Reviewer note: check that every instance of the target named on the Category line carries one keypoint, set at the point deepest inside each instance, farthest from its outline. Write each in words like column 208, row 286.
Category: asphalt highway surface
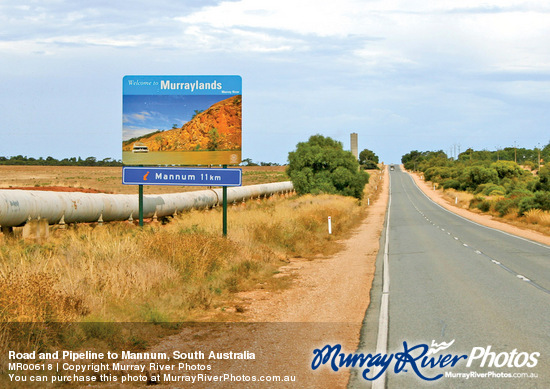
column 449, row 281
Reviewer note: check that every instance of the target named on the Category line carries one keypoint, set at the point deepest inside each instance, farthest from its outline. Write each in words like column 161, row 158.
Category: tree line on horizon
column 520, row 155
column 90, row 161
column 51, row 161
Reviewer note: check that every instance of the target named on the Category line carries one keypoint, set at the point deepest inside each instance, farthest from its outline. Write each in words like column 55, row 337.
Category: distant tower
column 354, row 149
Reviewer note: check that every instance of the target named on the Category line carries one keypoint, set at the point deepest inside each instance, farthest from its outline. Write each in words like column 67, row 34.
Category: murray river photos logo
column 421, row 359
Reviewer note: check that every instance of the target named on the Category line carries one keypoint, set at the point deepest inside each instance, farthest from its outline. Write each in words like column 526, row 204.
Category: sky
column 403, row 74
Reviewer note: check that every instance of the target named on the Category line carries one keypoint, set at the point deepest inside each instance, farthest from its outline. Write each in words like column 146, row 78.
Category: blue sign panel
column 181, row 177
column 182, row 85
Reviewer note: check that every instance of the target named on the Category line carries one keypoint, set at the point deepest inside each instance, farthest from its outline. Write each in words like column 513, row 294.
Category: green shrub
column 369, row 165
column 519, row 193
column 543, row 182
column 451, row 184
column 481, row 203
column 321, row 165
column 429, row 174
column 481, row 188
column 541, row 200
column 484, row 206
column 438, row 174
column 473, row 176
column 493, row 190
column 474, row 203
column 507, row 169
column 497, row 192
column 503, row 206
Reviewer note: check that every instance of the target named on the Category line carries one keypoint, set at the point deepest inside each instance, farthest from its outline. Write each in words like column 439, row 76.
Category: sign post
column 224, row 217
column 181, row 120
column 133, row 175
column 140, row 195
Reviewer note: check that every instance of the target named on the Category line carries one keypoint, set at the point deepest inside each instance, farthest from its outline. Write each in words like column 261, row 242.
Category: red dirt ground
column 57, row 189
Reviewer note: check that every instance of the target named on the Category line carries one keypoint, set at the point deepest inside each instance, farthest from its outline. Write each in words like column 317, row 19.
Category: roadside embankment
column 486, row 220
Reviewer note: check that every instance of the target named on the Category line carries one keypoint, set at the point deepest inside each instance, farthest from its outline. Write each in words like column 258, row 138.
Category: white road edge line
column 383, row 321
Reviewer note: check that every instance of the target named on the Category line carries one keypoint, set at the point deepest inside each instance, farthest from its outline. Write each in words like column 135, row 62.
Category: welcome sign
column 181, row 120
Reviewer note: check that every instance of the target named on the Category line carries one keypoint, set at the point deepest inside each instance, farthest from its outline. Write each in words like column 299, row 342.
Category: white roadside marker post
column 329, row 225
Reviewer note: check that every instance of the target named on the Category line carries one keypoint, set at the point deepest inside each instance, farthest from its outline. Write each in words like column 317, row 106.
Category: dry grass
column 118, row 272
column 537, row 216
column 459, row 198
column 69, row 292
column 31, row 296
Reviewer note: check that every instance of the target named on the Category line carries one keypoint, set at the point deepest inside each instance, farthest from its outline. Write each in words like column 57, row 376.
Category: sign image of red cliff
column 211, row 132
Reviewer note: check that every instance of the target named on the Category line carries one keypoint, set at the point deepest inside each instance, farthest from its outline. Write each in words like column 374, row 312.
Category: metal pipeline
column 18, row 206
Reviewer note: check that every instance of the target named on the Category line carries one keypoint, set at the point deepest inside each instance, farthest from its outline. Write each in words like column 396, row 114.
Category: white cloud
column 468, row 35
column 497, row 35
column 140, row 117
column 303, row 16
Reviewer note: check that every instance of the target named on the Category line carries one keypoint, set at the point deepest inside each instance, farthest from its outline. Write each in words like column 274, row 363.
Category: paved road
column 452, row 279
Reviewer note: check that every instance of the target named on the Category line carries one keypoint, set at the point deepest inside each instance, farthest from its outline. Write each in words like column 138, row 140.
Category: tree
column 507, row 169
column 90, row 161
column 544, row 179
column 473, row 176
column 367, row 155
column 197, row 111
column 321, row 165
column 410, row 160
column 214, row 139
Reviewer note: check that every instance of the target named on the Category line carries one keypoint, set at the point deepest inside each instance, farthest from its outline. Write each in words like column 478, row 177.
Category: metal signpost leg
column 140, row 205
column 224, row 190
